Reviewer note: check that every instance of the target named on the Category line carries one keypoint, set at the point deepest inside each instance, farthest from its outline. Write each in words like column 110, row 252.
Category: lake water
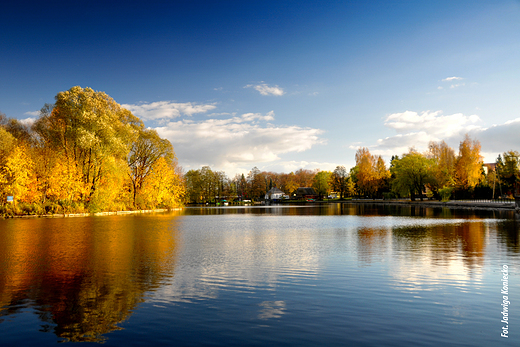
column 328, row 275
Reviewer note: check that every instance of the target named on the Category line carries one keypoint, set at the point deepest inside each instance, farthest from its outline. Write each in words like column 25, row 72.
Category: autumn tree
column 304, row 177
column 17, row 176
column 288, row 183
column 366, row 175
column 382, row 176
column 20, row 131
column 7, row 144
column 443, row 171
column 64, row 181
column 89, row 127
column 164, row 188
column 468, row 165
column 256, row 182
column 145, row 151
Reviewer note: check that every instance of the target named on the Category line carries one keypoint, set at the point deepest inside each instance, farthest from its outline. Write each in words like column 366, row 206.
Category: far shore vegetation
column 87, row 154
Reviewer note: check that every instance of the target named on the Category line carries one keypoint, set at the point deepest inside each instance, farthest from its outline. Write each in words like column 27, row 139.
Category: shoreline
column 446, row 204
column 87, row 214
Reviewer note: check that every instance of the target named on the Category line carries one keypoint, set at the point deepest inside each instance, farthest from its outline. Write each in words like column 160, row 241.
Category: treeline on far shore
column 85, row 153
column 439, row 173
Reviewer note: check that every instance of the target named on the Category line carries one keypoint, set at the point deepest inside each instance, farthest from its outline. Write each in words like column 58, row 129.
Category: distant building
column 490, row 167
column 305, row 193
column 274, row 194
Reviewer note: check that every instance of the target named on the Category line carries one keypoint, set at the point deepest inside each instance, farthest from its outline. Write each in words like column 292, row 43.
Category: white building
column 274, row 194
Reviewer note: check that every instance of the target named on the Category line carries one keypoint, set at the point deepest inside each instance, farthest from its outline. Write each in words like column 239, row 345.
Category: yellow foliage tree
column 163, row 187
column 65, row 181
column 468, row 166
column 19, row 179
column 114, row 188
column 372, row 174
column 443, row 171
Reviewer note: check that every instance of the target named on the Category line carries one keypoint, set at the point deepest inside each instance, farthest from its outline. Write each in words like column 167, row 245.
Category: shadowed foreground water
column 280, row 276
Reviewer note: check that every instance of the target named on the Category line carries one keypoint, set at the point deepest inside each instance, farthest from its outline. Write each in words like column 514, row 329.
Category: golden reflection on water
column 84, row 275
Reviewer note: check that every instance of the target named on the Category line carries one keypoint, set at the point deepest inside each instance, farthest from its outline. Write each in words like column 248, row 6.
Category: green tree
column 411, row 173
column 509, row 170
column 339, row 180
column 193, row 186
column 320, row 182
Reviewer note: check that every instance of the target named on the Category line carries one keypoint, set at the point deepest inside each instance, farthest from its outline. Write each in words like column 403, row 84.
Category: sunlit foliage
column 86, row 152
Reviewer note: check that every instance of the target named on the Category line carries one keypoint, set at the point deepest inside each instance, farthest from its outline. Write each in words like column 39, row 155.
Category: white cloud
column 33, row 113
column 448, row 79
column 161, row 110
column 457, row 85
column 401, row 143
column 417, row 130
column 28, row 121
column 292, row 165
column 237, row 143
column 433, row 123
column 498, row 138
column 264, row 89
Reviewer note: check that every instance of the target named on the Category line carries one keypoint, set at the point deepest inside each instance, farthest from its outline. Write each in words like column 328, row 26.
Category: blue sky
column 280, row 85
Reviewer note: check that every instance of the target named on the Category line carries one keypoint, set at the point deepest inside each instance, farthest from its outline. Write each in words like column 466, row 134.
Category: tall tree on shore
column 443, row 171
column 509, row 170
column 146, row 150
column 468, row 165
column 411, row 173
column 321, row 182
column 339, row 180
column 89, row 127
column 366, row 174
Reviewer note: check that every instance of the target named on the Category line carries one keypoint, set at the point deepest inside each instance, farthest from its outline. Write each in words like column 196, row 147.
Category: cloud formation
column 449, row 79
column 433, row 123
column 418, row 129
column 161, row 110
column 28, row 121
column 33, row 113
column 264, row 89
column 236, row 143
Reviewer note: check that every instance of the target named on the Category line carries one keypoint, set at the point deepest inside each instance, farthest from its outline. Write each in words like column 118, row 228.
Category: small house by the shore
column 274, row 194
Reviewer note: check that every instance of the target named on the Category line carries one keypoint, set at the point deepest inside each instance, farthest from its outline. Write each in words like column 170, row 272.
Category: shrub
column 445, row 193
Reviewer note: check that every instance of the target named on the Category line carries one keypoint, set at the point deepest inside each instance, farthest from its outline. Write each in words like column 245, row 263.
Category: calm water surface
column 330, row 275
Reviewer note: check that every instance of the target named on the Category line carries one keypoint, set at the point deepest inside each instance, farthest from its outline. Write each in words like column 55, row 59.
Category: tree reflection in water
column 84, row 276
